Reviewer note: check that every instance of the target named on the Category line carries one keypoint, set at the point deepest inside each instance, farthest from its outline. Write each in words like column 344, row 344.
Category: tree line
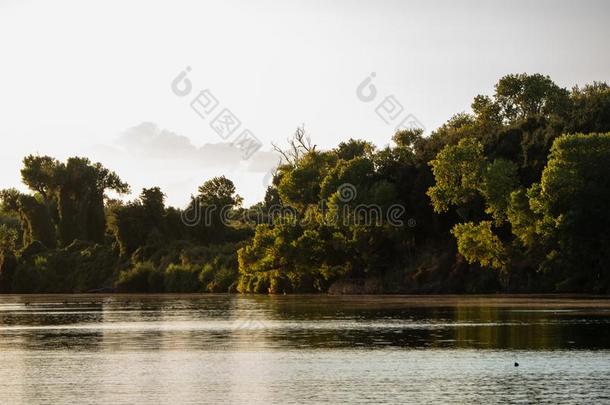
column 510, row 197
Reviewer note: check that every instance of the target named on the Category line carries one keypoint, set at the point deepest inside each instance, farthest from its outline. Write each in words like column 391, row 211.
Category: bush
column 218, row 278
column 79, row 267
column 181, row 279
column 143, row 277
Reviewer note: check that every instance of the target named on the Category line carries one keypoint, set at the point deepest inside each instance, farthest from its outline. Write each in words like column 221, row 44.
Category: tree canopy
column 509, row 197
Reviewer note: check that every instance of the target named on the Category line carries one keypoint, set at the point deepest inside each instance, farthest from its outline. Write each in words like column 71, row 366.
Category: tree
column 40, row 174
column 34, row 215
column 8, row 262
column 298, row 146
column 219, row 192
column 37, row 223
column 357, row 173
column 8, row 238
column 590, row 111
column 522, row 183
column 72, row 196
column 138, row 223
column 81, row 199
column 153, row 201
column 478, row 244
column 498, row 182
column 523, row 220
column 575, row 193
column 299, row 185
column 487, row 111
column 564, row 218
column 355, row 148
column 521, row 95
column 457, row 171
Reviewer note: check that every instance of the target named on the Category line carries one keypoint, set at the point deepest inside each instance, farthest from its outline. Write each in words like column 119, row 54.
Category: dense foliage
column 511, row 197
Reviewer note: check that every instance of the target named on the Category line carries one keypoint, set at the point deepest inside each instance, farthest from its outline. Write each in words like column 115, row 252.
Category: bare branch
column 279, row 150
column 298, row 145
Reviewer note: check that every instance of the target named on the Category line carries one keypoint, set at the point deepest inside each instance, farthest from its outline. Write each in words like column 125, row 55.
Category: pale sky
column 94, row 78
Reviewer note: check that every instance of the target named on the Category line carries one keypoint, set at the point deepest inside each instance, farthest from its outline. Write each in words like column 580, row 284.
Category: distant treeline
column 512, row 197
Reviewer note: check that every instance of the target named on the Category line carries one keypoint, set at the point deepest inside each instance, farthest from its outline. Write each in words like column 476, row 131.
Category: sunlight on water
column 303, row 349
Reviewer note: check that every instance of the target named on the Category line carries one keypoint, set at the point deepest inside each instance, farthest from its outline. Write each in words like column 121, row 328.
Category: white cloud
column 146, row 155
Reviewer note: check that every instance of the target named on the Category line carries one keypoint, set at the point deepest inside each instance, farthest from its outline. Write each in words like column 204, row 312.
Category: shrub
column 143, row 277
column 181, row 279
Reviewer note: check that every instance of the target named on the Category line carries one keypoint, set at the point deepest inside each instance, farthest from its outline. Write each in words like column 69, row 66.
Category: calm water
column 303, row 349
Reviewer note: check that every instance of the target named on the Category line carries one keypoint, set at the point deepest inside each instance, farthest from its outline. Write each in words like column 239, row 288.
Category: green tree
column 478, row 244
column 299, row 185
column 575, row 192
column 34, row 215
column 522, row 95
column 219, row 192
column 590, row 112
column 40, row 174
column 140, row 222
column 498, row 182
column 457, row 171
column 81, row 199
column 354, row 148
column 8, row 261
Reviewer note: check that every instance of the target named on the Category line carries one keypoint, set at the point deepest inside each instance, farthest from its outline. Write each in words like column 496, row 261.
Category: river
column 191, row 349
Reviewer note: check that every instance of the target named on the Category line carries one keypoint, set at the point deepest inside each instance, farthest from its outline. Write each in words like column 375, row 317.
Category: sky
column 94, row 78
